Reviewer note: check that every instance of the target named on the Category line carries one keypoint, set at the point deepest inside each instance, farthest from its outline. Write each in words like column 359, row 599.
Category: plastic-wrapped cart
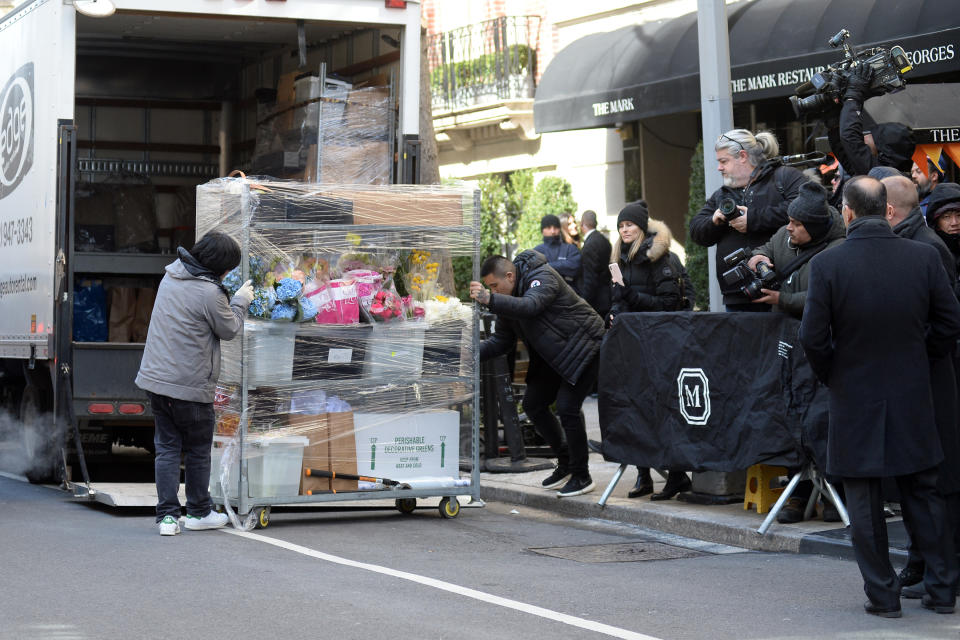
column 356, row 376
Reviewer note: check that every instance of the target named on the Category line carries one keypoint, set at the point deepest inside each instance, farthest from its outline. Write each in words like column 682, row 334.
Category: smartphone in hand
column 615, row 273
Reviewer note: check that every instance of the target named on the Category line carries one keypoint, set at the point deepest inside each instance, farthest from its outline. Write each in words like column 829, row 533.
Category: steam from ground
column 13, row 456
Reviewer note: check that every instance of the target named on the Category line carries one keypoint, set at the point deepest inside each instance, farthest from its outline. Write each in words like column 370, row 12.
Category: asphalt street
column 82, row 571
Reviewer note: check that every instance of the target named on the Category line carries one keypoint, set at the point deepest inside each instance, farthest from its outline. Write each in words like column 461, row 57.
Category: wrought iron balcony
column 482, row 63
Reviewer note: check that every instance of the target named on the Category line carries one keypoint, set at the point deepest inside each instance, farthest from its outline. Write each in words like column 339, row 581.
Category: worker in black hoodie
column 889, row 144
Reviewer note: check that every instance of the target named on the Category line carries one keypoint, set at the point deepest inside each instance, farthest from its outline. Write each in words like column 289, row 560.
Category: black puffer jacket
column 556, row 324
column 766, row 212
column 650, row 282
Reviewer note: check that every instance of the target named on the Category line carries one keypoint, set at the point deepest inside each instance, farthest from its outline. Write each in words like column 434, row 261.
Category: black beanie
column 549, row 220
column 810, row 208
column 635, row 212
column 942, row 195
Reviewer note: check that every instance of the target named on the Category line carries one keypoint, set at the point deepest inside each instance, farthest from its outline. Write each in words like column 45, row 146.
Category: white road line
column 556, row 616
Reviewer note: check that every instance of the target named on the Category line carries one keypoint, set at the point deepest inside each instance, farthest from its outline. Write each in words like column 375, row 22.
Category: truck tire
column 38, row 436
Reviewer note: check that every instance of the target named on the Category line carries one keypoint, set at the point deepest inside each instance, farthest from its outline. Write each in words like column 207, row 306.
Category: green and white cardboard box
column 408, row 445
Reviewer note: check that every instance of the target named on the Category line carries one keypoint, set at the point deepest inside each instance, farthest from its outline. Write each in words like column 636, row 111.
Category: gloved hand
column 617, row 293
column 858, row 83
column 245, row 292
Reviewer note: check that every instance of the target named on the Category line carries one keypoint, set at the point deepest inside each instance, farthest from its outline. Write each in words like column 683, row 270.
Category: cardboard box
column 407, row 209
column 408, row 445
column 331, row 447
column 363, row 163
column 316, row 455
column 343, row 449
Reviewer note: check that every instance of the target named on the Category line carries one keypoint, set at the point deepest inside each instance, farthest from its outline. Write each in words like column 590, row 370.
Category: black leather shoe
column 910, row 575
column 643, row 486
column 673, row 486
column 928, row 603
column 876, row 610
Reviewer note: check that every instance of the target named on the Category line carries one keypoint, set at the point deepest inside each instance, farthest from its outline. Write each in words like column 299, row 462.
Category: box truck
column 111, row 112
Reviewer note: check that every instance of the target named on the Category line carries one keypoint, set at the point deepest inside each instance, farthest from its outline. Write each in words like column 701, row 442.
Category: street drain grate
column 620, row 552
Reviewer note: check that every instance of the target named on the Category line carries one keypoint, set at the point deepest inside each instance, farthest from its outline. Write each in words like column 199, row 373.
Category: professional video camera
column 748, row 281
column 826, row 88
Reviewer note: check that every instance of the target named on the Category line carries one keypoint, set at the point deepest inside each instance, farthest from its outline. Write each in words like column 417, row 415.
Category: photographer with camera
column 813, row 226
column 749, row 207
column 889, row 144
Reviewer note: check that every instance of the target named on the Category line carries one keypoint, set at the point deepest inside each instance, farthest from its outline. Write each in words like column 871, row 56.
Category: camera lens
column 727, row 206
column 752, row 290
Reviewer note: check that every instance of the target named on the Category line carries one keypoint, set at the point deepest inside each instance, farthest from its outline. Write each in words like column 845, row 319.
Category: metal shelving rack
column 404, row 497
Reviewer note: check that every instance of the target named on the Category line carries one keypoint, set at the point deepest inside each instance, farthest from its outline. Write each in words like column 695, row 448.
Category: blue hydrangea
column 307, row 309
column 284, row 311
column 232, row 281
column 264, row 300
column 288, row 289
column 258, row 269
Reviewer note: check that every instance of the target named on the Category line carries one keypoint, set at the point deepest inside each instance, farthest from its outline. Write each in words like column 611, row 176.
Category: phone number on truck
column 19, row 231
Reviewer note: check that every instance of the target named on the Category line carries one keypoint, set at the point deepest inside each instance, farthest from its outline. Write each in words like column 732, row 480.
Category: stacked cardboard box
column 331, row 448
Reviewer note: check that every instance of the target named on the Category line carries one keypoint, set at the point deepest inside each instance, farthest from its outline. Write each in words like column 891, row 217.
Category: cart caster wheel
column 263, row 518
column 406, row 505
column 449, row 508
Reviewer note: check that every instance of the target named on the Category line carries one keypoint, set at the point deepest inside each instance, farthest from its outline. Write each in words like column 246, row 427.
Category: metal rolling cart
column 411, row 390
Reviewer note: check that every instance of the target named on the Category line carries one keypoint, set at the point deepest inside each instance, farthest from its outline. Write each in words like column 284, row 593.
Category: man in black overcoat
column 595, row 262
column 876, row 306
column 904, row 216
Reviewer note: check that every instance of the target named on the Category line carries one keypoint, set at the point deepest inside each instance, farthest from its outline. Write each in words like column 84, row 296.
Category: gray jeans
column 182, row 427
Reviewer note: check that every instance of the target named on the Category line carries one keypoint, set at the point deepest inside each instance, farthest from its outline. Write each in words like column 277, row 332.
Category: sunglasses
column 736, row 142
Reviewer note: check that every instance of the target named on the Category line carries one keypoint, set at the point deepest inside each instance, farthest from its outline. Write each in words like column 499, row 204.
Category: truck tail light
column 396, row 4
column 130, row 409
column 100, row 407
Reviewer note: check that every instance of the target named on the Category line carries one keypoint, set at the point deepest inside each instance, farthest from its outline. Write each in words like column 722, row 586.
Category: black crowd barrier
column 709, row 392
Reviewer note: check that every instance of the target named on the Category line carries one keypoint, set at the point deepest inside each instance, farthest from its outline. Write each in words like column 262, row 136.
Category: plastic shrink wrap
column 324, row 131
column 356, row 370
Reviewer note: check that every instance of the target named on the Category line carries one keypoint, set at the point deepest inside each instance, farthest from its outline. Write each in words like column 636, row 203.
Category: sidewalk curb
column 666, row 516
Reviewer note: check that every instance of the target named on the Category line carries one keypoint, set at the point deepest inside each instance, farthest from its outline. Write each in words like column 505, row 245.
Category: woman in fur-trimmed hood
column 650, row 283
column 642, row 250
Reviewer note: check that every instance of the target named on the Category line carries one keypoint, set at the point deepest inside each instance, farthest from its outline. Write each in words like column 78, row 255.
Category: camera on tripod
column 825, row 89
column 746, row 280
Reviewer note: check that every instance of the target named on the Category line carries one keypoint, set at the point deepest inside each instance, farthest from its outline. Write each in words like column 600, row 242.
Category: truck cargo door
column 36, row 91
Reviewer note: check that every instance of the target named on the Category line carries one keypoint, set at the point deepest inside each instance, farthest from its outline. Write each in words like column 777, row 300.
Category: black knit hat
column 635, row 212
column 549, row 220
column 810, row 208
column 942, row 195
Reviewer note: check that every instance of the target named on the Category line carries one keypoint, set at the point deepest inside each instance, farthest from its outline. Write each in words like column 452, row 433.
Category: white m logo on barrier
column 693, row 391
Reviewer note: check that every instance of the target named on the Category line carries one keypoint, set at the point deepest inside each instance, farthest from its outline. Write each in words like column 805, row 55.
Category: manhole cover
column 621, row 552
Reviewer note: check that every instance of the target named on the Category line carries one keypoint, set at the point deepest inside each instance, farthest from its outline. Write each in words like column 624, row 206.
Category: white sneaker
column 212, row 520
column 169, row 526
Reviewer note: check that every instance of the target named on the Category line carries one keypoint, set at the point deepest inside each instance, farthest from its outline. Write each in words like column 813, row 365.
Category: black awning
column 653, row 69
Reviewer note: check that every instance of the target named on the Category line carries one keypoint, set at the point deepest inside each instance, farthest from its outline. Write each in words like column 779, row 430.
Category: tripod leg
column 837, row 502
column 782, row 500
column 811, row 503
column 612, row 485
